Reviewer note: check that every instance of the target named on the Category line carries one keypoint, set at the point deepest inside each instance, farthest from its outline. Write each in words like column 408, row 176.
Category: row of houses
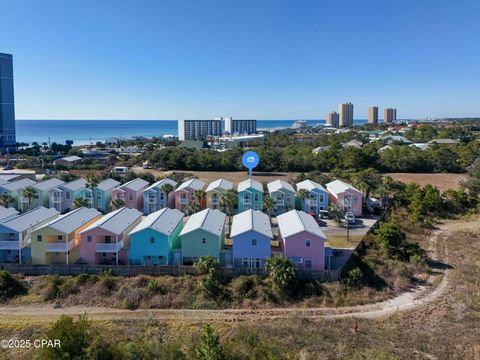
column 164, row 237
column 139, row 194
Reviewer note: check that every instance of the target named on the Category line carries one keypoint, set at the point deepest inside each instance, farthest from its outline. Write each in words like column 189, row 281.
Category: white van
column 122, row 170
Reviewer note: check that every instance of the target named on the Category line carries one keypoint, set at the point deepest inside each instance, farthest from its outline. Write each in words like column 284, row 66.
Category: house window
column 152, row 240
column 104, row 254
column 59, row 238
column 89, row 238
column 68, row 195
column 288, row 198
column 130, row 196
column 162, row 196
column 321, row 198
column 308, row 264
column 183, row 196
column 308, row 243
column 355, row 199
column 256, row 207
column 255, row 197
column 254, row 242
column 108, row 239
column 39, row 238
column 204, row 241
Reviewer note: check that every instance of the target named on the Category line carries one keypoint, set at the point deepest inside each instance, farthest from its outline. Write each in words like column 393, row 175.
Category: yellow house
column 58, row 242
column 214, row 193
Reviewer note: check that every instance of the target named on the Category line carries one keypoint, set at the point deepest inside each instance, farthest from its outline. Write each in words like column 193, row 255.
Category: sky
column 262, row 59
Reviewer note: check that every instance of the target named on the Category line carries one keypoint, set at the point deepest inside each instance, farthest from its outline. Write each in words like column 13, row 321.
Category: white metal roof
column 135, row 184
column 73, row 220
column 29, row 219
column 17, row 185
column 310, row 185
column 75, row 184
column 71, row 158
column 294, row 222
column 279, row 185
column 48, row 184
column 338, row 186
column 220, row 184
column 116, row 221
column 107, row 184
column 211, row 221
column 250, row 183
column 160, row 183
column 194, row 184
column 251, row 220
column 163, row 221
column 7, row 212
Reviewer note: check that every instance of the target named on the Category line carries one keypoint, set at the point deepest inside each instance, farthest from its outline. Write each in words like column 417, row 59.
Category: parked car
column 120, row 170
column 350, row 218
column 324, row 214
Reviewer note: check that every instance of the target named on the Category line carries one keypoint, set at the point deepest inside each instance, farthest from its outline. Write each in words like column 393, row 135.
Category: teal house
column 153, row 240
column 250, row 195
column 203, row 235
column 283, row 196
column 102, row 194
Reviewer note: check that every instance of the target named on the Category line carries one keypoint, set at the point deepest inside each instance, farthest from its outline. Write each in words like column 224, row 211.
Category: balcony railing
column 60, row 246
column 152, row 200
column 9, row 245
column 183, row 201
column 109, row 247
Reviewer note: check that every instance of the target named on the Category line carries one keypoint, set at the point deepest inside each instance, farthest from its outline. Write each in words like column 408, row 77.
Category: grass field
column 441, row 181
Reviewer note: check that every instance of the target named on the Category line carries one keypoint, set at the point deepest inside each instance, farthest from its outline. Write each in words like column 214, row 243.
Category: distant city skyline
column 274, row 59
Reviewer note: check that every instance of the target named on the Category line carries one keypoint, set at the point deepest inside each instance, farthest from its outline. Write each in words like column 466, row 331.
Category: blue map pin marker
column 250, row 160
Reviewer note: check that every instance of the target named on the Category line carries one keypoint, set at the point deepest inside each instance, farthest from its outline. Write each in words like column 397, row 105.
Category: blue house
column 251, row 234
column 317, row 198
column 155, row 198
column 102, row 194
column 153, row 239
column 250, row 195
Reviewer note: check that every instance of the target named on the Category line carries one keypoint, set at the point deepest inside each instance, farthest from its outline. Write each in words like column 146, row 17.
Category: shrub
column 10, row 286
column 245, row 287
column 84, row 279
column 209, row 347
column 353, row 277
column 282, row 273
column 51, row 288
column 207, row 265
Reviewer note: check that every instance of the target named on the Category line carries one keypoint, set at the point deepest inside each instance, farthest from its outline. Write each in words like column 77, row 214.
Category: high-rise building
column 7, row 106
column 332, row 119
column 373, row 115
column 345, row 112
column 389, row 115
column 240, row 126
column 198, row 129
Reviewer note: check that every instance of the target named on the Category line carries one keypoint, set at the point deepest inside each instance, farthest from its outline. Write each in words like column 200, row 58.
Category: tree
column 200, row 197
column 209, row 347
column 193, row 208
column 207, row 265
column 229, row 201
column 80, row 202
column 391, row 238
column 368, row 180
column 336, row 211
column 91, row 184
column 472, row 182
column 303, row 194
column 29, row 193
column 117, row 204
column 268, row 205
column 166, row 189
column 282, row 273
column 6, row 200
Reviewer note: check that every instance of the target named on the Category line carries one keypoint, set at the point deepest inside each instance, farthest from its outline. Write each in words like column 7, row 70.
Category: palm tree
column 193, row 208
column 268, row 205
column 166, row 189
column 6, row 200
column 29, row 193
column 80, row 202
column 229, row 200
column 336, row 211
column 117, row 204
column 199, row 197
column 92, row 182
column 303, row 194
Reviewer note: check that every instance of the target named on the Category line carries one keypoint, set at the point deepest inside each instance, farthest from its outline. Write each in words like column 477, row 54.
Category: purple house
column 251, row 234
column 302, row 240
column 131, row 193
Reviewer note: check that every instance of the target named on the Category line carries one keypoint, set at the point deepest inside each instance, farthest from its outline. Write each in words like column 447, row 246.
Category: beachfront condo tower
column 198, row 129
column 7, row 108
column 389, row 115
column 345, row 112
column 332, row 119
column 236, row 126
column 373, row 115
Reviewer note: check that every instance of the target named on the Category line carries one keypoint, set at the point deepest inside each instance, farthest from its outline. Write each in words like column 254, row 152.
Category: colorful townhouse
column 63, row 196
column 102, row 194
column 317, row 198
column 58, row 241
column 152, row 241
column 155, row 198
column 185, row 193
column 14, row 189
column 7, row 213
column 346, row 196
column 15, row 234
column 42, row 197
column 250, row 195
column 203, row 235
column 251, row 235
column 283, row 195
column 131, row 193
column 105, row 241
column 302, row 240
column 215, row 190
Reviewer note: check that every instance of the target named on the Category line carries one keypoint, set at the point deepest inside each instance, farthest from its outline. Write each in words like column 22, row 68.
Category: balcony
column 152, row 200
column 9, row 245
column 184, row 201
column 109, row 247
column 60, row 246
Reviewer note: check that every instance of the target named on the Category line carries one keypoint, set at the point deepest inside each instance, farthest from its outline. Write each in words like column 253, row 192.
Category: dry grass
column 441, row 181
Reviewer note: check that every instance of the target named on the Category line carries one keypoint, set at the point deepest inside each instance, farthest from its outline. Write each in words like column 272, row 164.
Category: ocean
column 86, row 131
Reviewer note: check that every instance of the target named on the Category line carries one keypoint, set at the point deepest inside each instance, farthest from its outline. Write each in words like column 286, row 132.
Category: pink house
column 131, row 193
column 106, row 240
column 185, row 193
column 302, row 240
column 345, row 195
